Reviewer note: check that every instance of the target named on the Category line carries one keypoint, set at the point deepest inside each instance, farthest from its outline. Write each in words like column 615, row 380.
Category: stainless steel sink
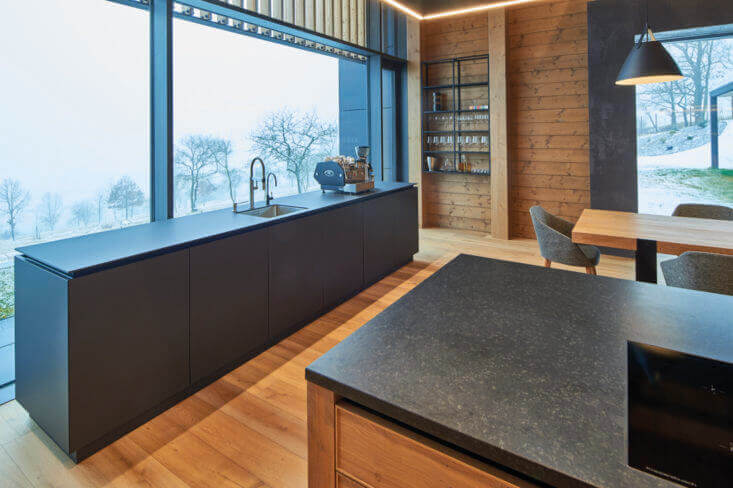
column 272, row 211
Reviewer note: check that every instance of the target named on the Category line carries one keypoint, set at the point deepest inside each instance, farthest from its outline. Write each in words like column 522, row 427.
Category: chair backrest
column 703, row 211
column 554, row 238
column 543, row 217
column 700, row 271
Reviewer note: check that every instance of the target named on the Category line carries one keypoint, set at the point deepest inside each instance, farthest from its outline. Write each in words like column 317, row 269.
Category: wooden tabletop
column 674, row 235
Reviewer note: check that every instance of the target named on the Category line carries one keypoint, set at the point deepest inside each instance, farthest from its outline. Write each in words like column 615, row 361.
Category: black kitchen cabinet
column 112, row 345
column 390, row 233
column 342, row 254
column 405, row 226
column 378, row 238
column 295, row 280
column 106, row 340
column 228, row 301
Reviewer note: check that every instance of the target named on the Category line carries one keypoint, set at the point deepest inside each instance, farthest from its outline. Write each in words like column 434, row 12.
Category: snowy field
column 685, row 177
column 698, row 157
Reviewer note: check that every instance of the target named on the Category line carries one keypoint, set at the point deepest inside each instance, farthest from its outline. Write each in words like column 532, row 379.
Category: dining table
column 646, row 235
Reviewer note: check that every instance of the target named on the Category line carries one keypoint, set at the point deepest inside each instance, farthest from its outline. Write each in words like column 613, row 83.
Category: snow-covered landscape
column 674, row 158
column 665, row 180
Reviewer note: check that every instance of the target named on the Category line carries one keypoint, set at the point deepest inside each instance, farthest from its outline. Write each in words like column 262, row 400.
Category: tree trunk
column 193, row 193
column 231, row 189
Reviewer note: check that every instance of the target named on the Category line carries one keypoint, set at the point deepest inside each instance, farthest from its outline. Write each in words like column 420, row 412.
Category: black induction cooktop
column 680, row 416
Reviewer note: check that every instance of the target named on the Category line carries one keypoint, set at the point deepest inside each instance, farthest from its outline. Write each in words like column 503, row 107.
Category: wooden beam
column 288, row 11
column 300, row 13
column 277, row 9
column 498, row 119
column 310, row 14
column 345, row 25
column 321, row 437
column 361, row 23
column 353, row 17
column 337, row 19
column 414, row 110
column 328, row 21
column 320, row 16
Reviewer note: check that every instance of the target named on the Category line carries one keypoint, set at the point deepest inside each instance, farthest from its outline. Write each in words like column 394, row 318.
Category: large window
column 74, row 123
column 675, row 152
column 237, row 97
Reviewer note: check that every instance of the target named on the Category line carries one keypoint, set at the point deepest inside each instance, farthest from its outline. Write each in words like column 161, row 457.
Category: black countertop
column 80, row 255
column 522, row 365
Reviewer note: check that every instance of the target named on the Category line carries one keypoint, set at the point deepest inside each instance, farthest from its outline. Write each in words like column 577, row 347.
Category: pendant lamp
column 648, row 61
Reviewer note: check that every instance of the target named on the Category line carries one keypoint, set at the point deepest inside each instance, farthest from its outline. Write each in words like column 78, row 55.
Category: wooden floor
column 249, row 428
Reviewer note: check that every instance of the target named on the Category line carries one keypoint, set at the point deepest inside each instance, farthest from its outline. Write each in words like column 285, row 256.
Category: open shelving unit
column 445, row 130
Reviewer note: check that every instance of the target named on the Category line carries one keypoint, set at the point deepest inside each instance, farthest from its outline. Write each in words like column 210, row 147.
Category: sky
column 74, row 92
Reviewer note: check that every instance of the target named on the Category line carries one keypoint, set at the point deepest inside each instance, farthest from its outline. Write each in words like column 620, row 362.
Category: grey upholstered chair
column 702, row 271
column 703, row 211
column 556, row 244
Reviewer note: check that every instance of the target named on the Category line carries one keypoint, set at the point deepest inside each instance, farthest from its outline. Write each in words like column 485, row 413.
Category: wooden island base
column 349, row 447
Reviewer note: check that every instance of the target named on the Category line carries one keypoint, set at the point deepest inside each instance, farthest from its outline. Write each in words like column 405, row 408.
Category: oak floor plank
column 10, row 473
column 281, row 427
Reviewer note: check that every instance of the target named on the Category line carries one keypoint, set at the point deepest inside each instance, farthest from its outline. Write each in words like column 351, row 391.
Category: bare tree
column 195, row 156
column 50, row 209
column 701, row 61
column 125, row 195
column 82, row 213
column 222, row 154
column 13, row 200
column 297, row 139
column 100, row 201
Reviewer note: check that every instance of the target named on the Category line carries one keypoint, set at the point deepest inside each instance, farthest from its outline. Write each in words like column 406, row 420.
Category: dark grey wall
column 353, row 107
column 612, row 25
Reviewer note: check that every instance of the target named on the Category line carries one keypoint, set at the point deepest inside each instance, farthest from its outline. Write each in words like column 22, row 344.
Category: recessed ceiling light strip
column 448, row 13
column 508, row 3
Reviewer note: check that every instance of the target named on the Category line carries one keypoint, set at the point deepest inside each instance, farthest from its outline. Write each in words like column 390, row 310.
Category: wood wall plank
column 414, row 108
column 501, row 179
column 548, row 65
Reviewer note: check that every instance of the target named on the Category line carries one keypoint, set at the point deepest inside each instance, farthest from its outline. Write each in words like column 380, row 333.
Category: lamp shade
column 648, row 62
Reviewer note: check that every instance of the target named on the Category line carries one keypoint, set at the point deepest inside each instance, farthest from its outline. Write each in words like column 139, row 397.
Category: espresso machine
column 346, row 174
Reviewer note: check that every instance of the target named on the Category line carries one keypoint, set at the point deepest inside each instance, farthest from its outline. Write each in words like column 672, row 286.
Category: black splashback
column 680, row 416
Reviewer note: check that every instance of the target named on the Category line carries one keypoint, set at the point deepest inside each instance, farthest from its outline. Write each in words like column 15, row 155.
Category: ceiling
column 427, row 8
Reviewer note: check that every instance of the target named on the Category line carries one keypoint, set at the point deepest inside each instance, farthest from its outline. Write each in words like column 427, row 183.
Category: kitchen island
column 493, row 373
column 113, row 328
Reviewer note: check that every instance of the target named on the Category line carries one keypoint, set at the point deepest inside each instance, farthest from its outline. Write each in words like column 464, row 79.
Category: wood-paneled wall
column 548, row 111
column 455, row 200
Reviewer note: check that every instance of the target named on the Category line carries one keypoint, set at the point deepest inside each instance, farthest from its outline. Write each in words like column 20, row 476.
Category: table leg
column 646, row 261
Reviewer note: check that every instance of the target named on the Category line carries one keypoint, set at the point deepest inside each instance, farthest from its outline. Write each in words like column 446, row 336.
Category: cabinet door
column 296, row 282
column 379, row 255
column 405, row 230
column 228, row 300
column 128, row 343
column 390, row 233
column 343, row 254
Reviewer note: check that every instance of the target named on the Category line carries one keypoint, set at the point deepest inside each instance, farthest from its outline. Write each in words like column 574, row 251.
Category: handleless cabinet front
column 405, row 226
column 128, row 343
column 296, row 267
column 228, row 301
column 343, row 254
